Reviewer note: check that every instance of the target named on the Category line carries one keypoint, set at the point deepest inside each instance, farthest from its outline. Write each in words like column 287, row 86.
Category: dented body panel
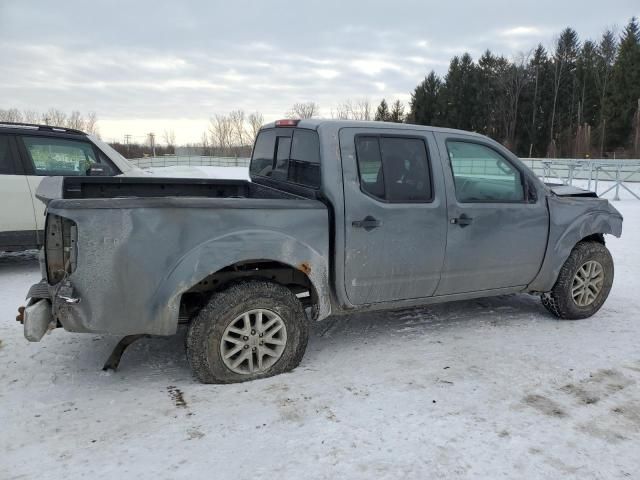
column 131, row 254
column 135, row 257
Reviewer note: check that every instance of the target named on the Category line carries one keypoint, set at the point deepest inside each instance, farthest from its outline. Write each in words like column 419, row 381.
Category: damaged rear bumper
column 38, row 320
column 47, row 305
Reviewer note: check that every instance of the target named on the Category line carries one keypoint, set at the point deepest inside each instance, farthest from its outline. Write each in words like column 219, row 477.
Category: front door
column 395, row 214
column 498, row 224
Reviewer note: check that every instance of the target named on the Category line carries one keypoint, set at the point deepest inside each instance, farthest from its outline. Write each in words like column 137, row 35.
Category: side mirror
column 98, row 170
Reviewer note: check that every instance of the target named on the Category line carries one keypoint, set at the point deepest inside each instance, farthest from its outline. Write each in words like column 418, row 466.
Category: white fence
column 605, row 177
column 190, row 161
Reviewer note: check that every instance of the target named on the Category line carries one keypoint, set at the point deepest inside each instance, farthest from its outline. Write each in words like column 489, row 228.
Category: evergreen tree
column 382, row 113
column 397, row 112
column 457, row 102
column 535, row 112
column 607, row 50
column 564, row 90
column 424, row 101
column 579, row 100
column 622, row 101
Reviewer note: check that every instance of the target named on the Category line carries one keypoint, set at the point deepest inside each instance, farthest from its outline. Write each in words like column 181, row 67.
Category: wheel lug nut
column 253, row 349
column 246, row 346
column 261, row 343
column 245, row 338
column 253, row 332
column 261, row 334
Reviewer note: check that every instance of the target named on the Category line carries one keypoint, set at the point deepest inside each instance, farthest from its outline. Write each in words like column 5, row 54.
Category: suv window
column 291, row 155
column 59, row 156
column 394, row 169
column 7, row 167
column 483, row 175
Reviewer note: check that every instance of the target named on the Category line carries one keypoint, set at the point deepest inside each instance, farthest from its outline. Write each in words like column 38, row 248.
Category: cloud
column 520, row 31
column 162, row 60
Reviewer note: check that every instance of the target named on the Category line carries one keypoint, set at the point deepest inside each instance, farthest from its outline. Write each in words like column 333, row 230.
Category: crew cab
column 339, row 216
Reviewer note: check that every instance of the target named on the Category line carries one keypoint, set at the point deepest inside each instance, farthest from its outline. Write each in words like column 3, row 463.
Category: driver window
column 481, row 174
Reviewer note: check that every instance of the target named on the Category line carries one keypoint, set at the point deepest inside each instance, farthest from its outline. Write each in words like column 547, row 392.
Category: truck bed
column 158, row 187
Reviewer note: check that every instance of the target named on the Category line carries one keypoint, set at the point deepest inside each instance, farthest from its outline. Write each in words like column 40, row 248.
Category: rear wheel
column 251, row 330
column 583, row 284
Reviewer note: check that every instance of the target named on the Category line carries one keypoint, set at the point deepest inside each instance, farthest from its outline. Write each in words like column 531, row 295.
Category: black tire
column 559, row 300
column 205, row 332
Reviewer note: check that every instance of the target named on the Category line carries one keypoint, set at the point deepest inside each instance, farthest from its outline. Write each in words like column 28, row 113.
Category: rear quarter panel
column 137, row 256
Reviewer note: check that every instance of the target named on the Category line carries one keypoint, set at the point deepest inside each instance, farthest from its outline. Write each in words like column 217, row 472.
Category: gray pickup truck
column 339, row 217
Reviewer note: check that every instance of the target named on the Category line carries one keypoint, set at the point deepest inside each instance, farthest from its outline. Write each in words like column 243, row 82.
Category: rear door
column 17, row 221
column 395, row 214
column 498, row 225
column 55, row 156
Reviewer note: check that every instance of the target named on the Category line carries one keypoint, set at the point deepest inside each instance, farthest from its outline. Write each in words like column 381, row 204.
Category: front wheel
column 583, row 284
column 253, row 329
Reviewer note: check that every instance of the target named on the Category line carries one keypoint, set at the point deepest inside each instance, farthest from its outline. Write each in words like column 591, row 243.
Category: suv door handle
column 368, row 223
column 462, row 221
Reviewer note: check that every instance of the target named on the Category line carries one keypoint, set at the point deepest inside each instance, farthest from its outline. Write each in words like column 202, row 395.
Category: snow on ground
column 478, row 389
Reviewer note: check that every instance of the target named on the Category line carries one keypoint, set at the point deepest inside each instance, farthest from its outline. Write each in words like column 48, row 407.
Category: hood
column 562, row 190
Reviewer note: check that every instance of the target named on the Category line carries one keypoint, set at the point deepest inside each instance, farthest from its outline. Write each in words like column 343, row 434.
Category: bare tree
column 169, row 137
column 512, row 81
column 75, row 121
column 30, row 116
column 238, row 128
column 256, row 120
column 206, row 147
column 91, row 123
column 221, row 133
column 303, row 110
column 353, row 110
column 55, row 117
column 10, row 115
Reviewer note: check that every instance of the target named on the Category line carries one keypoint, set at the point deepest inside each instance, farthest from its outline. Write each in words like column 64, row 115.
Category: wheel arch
column 247, row 254
column 590, row 226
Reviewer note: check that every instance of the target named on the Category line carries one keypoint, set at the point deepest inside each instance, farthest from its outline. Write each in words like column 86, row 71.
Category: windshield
column 122, row 163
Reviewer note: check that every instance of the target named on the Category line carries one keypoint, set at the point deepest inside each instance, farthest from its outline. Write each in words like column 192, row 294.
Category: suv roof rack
column 42, row 128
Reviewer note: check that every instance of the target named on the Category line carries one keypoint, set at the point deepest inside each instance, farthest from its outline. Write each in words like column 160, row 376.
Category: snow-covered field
column 492, row 388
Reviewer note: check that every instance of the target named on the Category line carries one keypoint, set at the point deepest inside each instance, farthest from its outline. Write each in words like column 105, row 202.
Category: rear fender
column 216, row 254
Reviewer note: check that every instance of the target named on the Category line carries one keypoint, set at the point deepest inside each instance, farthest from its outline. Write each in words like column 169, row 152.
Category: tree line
column 582, row 99
column 55, row 117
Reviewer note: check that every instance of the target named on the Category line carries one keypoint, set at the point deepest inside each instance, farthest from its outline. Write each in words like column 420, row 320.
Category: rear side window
column 262, row 158
column 58, row 156
column 394, row 169
column 7, row 166
column 291, row 155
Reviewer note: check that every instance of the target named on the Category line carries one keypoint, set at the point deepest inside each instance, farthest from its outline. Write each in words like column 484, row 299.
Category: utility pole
column 127, row 141
column 152, row 143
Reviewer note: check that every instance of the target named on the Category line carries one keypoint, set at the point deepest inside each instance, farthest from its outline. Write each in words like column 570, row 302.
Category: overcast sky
column 153, row 65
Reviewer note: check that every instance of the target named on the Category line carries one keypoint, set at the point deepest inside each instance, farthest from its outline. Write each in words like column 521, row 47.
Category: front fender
column 571, row 220
column 218, row 253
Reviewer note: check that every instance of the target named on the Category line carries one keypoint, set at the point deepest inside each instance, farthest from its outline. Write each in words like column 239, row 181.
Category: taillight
column 60, row 250
column 287, row 122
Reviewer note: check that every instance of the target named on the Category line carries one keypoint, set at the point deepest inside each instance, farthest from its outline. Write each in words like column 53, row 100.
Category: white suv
column 30, row 152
